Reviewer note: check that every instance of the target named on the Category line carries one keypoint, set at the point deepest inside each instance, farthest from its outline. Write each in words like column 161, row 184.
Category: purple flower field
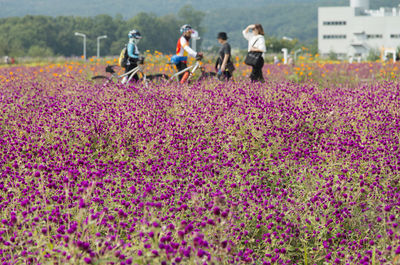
column 211, row 173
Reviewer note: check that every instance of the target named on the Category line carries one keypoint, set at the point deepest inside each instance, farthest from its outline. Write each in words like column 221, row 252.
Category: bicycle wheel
column 101, row 79
column 157, row 78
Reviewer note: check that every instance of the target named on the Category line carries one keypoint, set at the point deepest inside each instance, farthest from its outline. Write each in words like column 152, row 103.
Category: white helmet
column 186, row 28
column 134, row 34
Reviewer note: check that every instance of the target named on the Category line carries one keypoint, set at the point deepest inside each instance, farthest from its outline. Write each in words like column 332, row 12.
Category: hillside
column 129, row 8
column 126, row 8
column 292, row 18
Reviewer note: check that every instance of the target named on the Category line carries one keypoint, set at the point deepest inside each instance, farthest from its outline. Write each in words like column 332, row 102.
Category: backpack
column 123, row 57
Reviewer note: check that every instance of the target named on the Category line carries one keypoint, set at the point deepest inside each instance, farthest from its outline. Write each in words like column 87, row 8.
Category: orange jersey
column 183, row 48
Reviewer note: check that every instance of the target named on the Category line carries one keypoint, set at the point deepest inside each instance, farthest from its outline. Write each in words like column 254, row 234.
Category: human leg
column 181, row 66
column 254, row 74
column 129, row 68
column 259, row 70
column 227, row 75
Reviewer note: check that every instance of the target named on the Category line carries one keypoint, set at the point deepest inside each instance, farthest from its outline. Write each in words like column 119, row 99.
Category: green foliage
column 38, row 51
column 332, row 56
column 276, row 45
column 159, row 33
column 191, row 16
column 313, row 47
column 36, row 35
column 293, row 18
column 373, row 55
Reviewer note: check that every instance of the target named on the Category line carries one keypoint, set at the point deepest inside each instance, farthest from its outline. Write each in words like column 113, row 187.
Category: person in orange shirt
column 183, row 50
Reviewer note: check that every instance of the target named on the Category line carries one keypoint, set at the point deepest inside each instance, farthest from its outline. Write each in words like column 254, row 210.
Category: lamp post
column 295, row 54
column 285, row 55
column 98, row 44
column 195, row 38
column 84, row 43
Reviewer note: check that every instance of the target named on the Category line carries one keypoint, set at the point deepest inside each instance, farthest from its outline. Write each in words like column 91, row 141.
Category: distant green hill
column 129, row 8
column 292, row 18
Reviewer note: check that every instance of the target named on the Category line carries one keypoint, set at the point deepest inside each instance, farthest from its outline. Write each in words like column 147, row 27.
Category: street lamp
column 84, row 43
column 195, row 38
column 295, row 54
column 98, row 44
column 285, row 55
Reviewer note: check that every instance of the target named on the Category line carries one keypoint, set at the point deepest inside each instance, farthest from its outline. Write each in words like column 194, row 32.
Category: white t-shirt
column 255, row 41
column 183, row 48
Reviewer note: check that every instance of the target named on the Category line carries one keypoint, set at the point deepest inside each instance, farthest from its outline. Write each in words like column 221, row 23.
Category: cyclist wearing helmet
column 183, row 50
column 133, row 53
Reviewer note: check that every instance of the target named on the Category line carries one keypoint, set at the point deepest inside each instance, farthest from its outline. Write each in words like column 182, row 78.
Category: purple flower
column 88, row 260
column 397, row 252
column 200, row 253
column 388, row 208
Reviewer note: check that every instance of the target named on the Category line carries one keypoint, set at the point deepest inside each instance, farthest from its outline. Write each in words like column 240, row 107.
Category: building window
column 334, row 36
column 374, row 36
column 395, row 36
column 334, row 23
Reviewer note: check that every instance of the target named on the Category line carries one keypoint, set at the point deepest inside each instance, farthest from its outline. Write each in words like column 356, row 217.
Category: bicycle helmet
column 186, row 28
column 134, row 34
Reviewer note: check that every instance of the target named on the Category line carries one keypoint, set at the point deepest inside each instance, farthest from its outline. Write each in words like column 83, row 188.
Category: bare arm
column 190, row 51
column 246, row 32
column 248, row 28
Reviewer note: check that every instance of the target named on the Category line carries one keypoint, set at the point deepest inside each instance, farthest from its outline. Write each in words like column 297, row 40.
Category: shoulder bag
column 252, row 58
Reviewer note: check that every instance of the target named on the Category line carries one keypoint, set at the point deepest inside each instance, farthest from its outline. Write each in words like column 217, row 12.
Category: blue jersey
column 133, row 51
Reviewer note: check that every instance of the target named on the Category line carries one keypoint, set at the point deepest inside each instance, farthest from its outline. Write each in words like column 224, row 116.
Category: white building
column 354, row 30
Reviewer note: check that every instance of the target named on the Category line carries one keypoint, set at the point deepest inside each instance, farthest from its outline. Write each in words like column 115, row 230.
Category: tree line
column 39, row 36
column 46, row 36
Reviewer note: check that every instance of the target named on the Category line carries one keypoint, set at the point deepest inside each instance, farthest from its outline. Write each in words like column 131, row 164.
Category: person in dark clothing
column 256, row 44
column 224, row 65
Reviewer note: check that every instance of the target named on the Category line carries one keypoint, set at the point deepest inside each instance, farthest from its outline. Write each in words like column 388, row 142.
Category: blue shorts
column 178, row 59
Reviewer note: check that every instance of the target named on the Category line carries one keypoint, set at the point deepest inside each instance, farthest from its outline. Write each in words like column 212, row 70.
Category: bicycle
column 189, row 72
column 114, row 77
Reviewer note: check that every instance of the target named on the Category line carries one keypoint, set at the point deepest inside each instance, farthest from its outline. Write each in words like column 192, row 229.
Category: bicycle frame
column 132, row 73
column 129, row 75
column 193, row 67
